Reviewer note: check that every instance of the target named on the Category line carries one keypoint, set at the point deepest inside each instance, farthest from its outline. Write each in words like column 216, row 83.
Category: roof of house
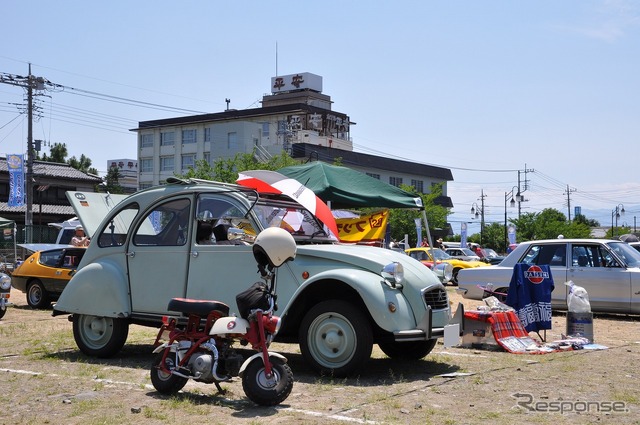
column 55, row 169
column 351, row 158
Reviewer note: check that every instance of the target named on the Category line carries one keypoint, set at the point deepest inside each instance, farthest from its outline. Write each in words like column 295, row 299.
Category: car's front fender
column 98, row 289
column 375, row 294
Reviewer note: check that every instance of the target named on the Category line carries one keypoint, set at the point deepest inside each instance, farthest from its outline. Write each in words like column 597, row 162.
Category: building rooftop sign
column 293, row 82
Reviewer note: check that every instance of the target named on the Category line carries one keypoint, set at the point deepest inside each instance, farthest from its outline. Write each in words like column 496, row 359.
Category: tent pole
column 426, row 226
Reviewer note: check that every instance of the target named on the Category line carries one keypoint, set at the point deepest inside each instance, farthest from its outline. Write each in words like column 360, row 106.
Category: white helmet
column 274, row 246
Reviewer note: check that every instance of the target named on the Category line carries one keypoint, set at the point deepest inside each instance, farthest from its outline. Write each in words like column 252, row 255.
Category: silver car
column 609, row 270
column 335, row 300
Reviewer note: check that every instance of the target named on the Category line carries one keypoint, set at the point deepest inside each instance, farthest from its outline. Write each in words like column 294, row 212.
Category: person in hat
column 438, row 243
column 79, row 239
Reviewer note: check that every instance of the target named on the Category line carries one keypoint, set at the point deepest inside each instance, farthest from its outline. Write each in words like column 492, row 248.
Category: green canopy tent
column 342, row 187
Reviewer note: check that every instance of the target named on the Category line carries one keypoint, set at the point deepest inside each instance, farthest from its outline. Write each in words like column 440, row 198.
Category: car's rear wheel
column 37, row 296
column 411, row 350
column 454, row 276
column 336, row 338
column 99, row 336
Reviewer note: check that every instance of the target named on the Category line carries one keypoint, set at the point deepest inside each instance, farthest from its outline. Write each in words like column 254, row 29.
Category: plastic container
column 580, row 324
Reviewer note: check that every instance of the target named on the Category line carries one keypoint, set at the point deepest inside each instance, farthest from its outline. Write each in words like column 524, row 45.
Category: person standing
column 80, row 239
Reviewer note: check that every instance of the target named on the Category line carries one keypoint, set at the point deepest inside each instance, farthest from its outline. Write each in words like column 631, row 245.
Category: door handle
column 194, row 254
column 130, row 254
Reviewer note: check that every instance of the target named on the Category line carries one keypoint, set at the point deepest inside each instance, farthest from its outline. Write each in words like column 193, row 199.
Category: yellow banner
column 369, row 228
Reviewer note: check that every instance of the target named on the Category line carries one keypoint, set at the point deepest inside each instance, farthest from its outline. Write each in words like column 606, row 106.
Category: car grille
column 436, row 298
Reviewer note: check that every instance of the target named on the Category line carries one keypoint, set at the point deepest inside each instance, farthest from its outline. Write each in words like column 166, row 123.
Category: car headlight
column 393, row 274
column 446, row 271
column 5, row 281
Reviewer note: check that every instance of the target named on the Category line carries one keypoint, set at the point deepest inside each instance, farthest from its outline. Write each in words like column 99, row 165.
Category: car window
column 222, row 213
column 115, row 231
column 630, row 256
column 589, row 255
column 552, row 255
column 50, row 258
column 166, row 225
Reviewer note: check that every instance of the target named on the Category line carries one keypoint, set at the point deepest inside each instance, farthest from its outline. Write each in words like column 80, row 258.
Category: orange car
column 45, row 273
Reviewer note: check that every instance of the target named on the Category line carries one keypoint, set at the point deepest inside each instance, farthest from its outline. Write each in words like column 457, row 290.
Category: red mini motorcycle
column 201, row 349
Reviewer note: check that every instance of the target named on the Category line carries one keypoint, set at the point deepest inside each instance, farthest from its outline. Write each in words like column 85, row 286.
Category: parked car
column 5, row 293
column 462, row 254
column 335, row 300
column 44, row 274
column 423, row 254
column 635, row 245
column 491, row 257
column 609, row 271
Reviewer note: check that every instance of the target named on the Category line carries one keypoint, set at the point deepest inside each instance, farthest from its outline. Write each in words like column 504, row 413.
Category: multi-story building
column 296, row 117
column 127, row 173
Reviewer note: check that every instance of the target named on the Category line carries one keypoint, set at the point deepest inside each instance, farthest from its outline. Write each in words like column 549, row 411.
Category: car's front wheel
column 336, row 338
column 99, row 336
column 410, row 350
column 37, row 296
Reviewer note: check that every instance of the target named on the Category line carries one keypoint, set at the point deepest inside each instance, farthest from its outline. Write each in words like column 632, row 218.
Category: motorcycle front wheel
column 166, row 383
column 264, row 391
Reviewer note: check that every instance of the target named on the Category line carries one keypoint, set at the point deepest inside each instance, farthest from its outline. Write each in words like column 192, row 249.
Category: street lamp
column 616, row 212
column 515, row 197
column 478, row 211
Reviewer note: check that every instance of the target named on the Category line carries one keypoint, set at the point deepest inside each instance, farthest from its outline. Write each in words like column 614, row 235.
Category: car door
column 222, row 269
column 555, row 256
column 606, row 281
column 158, row 256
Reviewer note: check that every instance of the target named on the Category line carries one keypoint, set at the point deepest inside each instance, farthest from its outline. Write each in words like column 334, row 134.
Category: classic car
column 464, row 254
column 609, row 271
column 423, row 254
column 45, row 273
column 335, row 300
column 5, row 293
column 490, row 256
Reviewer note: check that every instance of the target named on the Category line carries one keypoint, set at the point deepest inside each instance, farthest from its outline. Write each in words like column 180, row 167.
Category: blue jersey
column 530, row 295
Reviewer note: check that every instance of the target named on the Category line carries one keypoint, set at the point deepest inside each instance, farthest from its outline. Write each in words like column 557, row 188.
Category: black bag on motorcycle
column 256, row 296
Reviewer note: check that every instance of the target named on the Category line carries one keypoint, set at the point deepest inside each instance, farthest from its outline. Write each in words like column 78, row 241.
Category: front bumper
column 4, row 300
column 423, row 332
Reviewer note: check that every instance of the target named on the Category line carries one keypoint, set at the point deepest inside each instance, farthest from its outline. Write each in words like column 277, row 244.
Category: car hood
column 92, row 207
column 368, row 258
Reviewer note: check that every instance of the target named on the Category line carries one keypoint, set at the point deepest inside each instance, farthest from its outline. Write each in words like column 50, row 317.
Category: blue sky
column 484, row 88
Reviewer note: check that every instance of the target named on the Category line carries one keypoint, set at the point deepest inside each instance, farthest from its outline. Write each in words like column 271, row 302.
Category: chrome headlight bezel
column 5, row 282
column 393, row 274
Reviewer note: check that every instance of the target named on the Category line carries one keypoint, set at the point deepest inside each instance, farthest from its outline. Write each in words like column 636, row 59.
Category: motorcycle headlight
column 393, row 274
column 5, row 281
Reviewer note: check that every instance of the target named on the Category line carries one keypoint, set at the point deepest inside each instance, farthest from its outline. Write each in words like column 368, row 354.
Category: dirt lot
column 45, row 380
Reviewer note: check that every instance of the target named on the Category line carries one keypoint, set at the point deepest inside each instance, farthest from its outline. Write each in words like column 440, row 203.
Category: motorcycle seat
column 198, row 307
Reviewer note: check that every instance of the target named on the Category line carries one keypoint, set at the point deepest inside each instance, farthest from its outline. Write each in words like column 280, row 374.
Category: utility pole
column 521, row 189
column 30, row 83
column 568, row 193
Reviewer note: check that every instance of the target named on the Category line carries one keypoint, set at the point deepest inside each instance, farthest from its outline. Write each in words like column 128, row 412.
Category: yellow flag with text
column 368, row 228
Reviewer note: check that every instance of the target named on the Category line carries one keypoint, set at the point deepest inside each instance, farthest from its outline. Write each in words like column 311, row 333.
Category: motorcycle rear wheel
column 163, row 382
column 257, row 387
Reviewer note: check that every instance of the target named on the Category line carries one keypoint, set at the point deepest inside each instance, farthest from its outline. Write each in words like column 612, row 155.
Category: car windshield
column 488, row 252
column 292, row 217
column 440, row 254
column 468, row 252
column 627, row 253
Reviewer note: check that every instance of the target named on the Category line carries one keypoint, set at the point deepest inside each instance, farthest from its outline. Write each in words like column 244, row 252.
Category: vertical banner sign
column 512, row 235
column 418, row 222
column 16, row 180
column 463, row 235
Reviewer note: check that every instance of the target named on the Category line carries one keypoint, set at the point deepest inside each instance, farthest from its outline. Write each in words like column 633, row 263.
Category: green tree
column 58, row 153
column 402, row 221
column 111, row 182
column 226, row 169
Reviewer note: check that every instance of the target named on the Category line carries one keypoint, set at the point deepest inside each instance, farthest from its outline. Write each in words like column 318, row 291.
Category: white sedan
column 609, row 270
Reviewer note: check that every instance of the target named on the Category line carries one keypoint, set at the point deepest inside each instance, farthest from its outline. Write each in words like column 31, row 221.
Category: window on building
column 142, row 186
column 418, row 184
column 395, row 181
column 374, row 175
column 188, row 161
column 232, row 140
column 146, row 140
column 146, row 165
column 167, row 163
column 207, row 157
column 188, row 136
column 265, row 129
column 168, row 138
column 207, row 134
